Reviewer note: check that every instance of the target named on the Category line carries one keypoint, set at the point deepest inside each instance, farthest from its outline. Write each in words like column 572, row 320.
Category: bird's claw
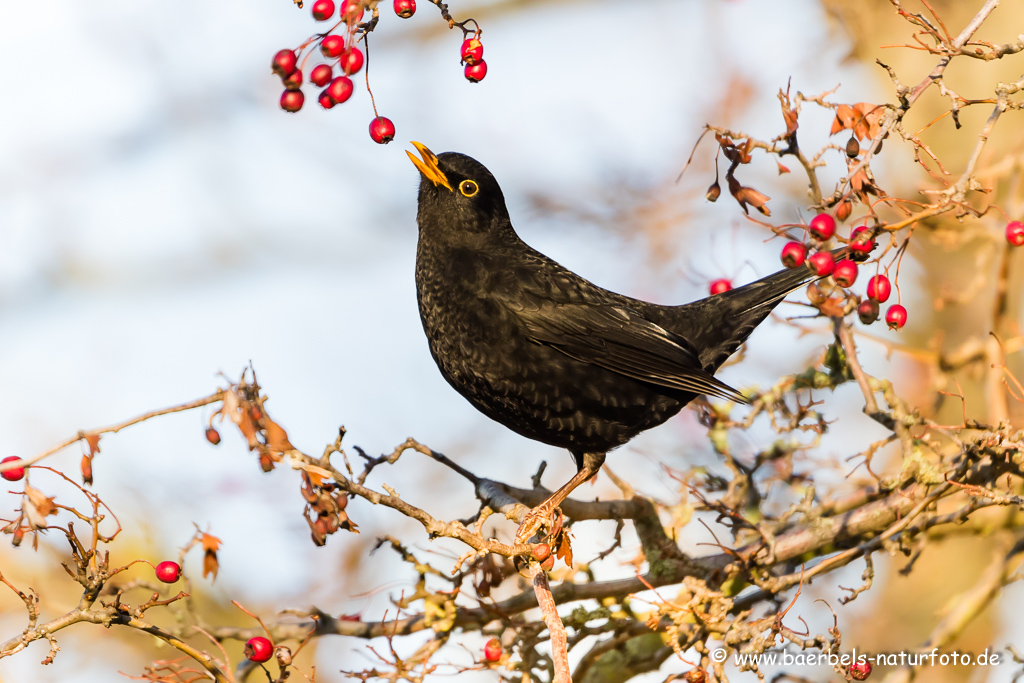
column 534, row 521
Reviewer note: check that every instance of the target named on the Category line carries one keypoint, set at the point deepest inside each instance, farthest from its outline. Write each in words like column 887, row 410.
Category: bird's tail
column 737, row 312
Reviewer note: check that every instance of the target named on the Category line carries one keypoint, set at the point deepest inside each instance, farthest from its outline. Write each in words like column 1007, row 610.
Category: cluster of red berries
column 14, row 474
column 844, row 272
column 473, row 58
column 346, row 59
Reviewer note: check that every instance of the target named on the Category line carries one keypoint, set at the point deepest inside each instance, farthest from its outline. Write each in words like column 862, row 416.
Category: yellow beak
column 428, row 166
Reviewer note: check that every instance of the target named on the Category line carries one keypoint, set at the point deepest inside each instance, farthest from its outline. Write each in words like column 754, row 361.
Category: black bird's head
column 458, row 194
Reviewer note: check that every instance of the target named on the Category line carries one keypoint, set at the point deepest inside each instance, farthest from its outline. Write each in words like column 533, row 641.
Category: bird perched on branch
column 549, row 354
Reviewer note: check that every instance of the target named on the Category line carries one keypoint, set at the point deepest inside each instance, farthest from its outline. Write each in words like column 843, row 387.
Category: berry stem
column 366, row 46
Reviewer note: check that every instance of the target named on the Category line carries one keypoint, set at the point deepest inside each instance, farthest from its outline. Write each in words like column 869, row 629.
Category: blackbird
column 544, row 351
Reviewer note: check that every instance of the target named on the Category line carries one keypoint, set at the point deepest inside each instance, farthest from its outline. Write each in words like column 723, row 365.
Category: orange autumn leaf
column 868, row 118
column 846, row 117
column 94, row 443
column 87, row 469
column 209, row 542
column 277, row 438
column 210, row 564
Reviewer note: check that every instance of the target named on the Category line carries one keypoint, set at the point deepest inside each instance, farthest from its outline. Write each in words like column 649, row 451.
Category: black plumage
column 549, row 354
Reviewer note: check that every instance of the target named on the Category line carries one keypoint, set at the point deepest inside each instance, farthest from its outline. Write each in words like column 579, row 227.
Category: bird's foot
column 534, row 521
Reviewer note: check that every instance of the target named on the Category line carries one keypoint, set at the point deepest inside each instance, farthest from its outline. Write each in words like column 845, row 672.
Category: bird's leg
column 536, row 517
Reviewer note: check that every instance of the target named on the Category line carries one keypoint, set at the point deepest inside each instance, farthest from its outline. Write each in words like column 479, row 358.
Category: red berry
column 896, row 317
column 332, row 46
column 492, row 650
column 321, row 75
column 867, row 311
column 879, row 288
column 822, row 263
column 352, row 10
column 822, row 227
column 861, row 241
column 472, row 51
column 340, row 89
column 382, row 130
column 212, row 435
column 793, row 254
column 859, row 671
column 476, row 72
column 291, row 100
column 351, row 61
column 323, row 9
column 845, row 273
column 1015, row 233
column 325, row 100
column 258, row 649
column 293, row 81
column 15, row 474
column 405, row 8
column 284, row 63
column 541, row 551
column 720, row 285
column 168, row 571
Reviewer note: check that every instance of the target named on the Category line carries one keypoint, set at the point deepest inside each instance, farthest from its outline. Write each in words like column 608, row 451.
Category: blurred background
column 162, row 221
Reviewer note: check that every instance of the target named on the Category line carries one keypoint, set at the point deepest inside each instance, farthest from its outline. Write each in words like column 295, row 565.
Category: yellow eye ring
column 468, row 188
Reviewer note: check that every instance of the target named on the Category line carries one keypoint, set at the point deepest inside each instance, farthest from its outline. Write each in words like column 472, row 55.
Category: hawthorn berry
column 822, row 263
column 14, row 474
column 325, row 100
column 405, row 8
column 291, row 100
column 352, row 10
column 284, row 63
column 793, row 254
column 867, row 311
column 382, row 130
column 321, row 75
column 492, row 650
column 861, row 241
column 212, row 435
column 1015, row 233
column 822, row 227
column 340, row 89
column 879, row 288
column 293, row 81
column 720, row 285
column 844, row 209
column 541, row 551
column 815, row 294
column 896, row 317
column 351, row 61
column 332, row 46
column 845, row 273
column 323, row 9
column 475, row 72
column 852, row 147
column 259, row 649
column 859, row 671
column 472, row 51
column 168, row 571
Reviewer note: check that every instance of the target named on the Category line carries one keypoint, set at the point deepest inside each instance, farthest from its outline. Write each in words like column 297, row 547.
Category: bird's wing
column 620, row 339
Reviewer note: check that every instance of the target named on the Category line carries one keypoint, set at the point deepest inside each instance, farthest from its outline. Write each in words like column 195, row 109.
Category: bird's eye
column 468, row 188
